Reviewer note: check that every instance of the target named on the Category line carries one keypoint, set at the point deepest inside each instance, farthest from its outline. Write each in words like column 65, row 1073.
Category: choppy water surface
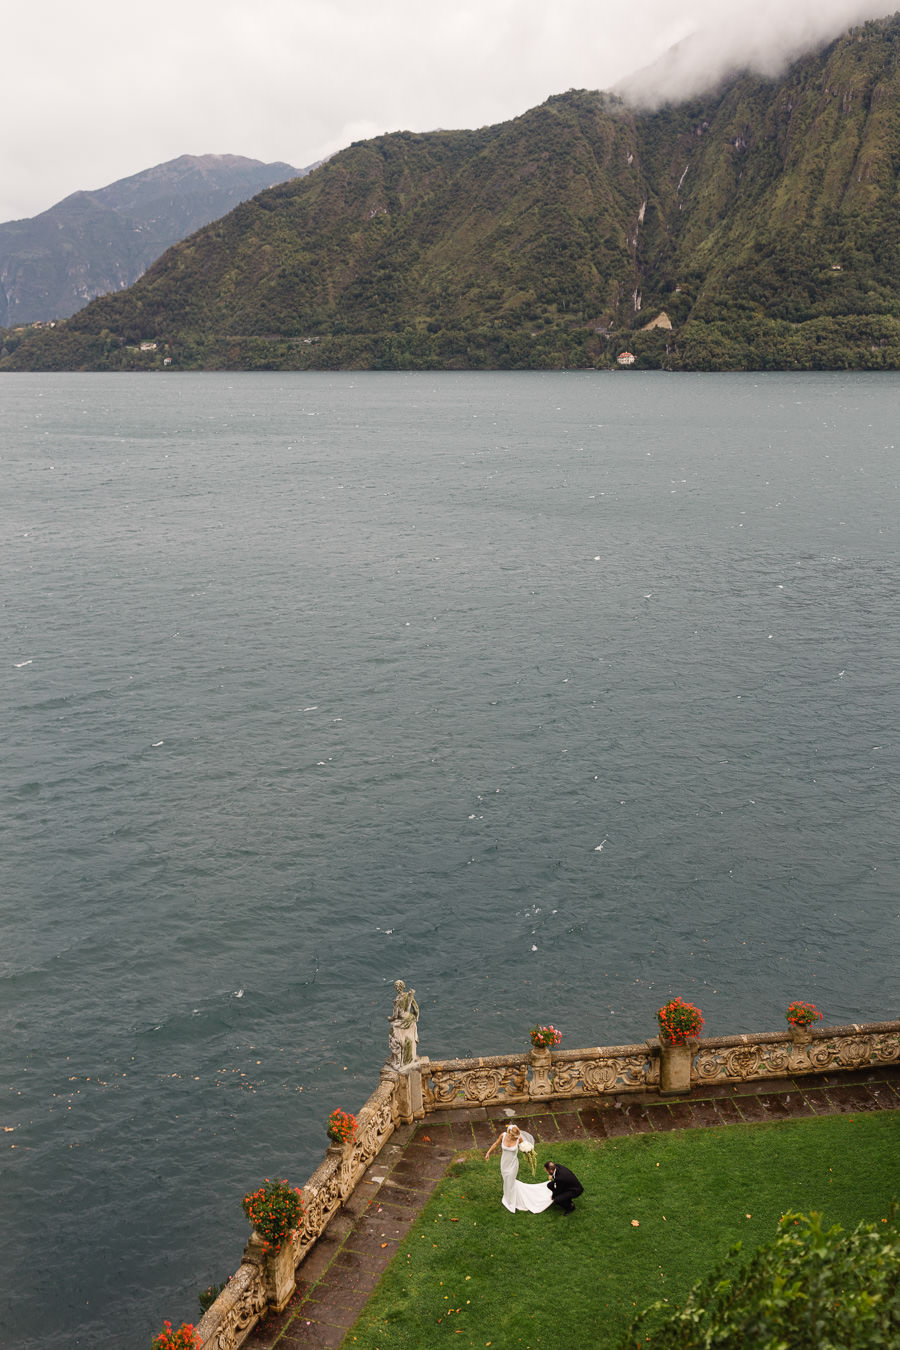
column 552, row 694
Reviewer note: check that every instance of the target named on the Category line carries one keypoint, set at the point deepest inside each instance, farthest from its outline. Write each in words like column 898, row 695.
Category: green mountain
column 92, row 242
column 761, row 221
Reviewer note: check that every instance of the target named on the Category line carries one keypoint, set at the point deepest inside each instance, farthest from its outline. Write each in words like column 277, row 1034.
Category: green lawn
column 659, row 1210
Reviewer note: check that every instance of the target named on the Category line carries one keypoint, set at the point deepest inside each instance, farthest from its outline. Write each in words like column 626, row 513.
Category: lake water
column 552, row 694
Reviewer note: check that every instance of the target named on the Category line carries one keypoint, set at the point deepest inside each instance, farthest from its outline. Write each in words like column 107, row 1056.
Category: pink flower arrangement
column 679, row 1021
column 800, row 1014
column 185, row 1338
column 543, row 1037
column 342, row 1127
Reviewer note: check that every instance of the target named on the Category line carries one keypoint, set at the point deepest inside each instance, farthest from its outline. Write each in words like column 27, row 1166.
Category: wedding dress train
column 521, row 1194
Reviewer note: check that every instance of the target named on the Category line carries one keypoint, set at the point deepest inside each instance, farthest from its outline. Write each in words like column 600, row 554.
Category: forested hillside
column 762, row 221
column 90, row 243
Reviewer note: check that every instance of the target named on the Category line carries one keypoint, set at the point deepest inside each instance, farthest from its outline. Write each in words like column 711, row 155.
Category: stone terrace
column 336, row 1279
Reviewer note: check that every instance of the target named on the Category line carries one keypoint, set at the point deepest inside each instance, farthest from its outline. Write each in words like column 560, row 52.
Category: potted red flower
column 800, row 1017
column 679, row 1021
column 185, row 1338
column 680, row 1024
column 274, row 1209
column 342, row 1127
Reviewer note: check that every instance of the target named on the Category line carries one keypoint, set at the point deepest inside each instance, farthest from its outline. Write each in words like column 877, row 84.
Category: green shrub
column 811, row 1288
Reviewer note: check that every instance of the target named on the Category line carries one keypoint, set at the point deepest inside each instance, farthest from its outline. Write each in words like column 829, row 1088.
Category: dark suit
column 564, row 1186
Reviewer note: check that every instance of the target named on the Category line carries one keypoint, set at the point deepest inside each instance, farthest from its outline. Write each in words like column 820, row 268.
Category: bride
column 518, row 1194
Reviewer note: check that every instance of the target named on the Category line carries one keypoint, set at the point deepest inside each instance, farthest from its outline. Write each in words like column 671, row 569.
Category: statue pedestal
column 409, row 1102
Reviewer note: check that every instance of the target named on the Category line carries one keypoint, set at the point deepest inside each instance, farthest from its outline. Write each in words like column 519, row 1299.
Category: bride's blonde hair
column 513, row 1130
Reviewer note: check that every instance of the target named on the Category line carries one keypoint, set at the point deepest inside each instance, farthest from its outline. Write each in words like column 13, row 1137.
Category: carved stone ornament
column 482, row 1084
column 820, row 1056
column 742, row 1063
column 886, row 1049
column 776, row 1061
column 238, row 1308
column 541, row 1084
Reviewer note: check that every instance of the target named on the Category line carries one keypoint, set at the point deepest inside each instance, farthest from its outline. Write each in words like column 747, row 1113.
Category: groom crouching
column 564, row 1186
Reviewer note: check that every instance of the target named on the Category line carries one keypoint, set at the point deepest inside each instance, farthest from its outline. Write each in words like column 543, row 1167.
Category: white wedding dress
column 521, row 1194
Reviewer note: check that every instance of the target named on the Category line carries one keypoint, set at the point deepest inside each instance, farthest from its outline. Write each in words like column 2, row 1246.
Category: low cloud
column 106, row 91
column 763, row 38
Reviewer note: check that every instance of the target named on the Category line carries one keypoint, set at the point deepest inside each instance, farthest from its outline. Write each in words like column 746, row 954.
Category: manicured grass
column 471, row 1274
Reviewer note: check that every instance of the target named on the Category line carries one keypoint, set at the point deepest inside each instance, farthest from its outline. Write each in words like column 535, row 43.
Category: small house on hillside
column 625, row 358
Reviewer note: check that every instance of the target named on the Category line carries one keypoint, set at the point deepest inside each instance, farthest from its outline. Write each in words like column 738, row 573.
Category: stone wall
column 506, row 1080
column 427, row 1086
column 259, row 1284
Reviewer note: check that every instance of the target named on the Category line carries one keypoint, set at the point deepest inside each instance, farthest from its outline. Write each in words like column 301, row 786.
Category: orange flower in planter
column 342, row 1127
column 800, row 1014
column 274, row 1210
column 185, row 1338
column 679, row 1021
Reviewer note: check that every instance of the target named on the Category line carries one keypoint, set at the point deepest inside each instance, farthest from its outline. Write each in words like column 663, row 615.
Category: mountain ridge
column 102, row 239
column 762, row 218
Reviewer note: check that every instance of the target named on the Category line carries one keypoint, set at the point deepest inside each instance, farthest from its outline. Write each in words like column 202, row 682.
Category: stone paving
column 336, row 1279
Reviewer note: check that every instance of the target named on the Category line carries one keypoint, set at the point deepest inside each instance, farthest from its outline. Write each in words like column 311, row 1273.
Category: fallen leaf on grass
column 635, row 1223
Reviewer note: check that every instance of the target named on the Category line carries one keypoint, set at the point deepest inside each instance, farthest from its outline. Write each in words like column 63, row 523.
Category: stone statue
column 404, row 1020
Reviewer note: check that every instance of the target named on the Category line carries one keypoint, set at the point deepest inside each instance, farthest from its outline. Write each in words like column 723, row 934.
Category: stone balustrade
column 505, row 1080
column 249, row 1292
column 427, row 1086
column 725, row 1059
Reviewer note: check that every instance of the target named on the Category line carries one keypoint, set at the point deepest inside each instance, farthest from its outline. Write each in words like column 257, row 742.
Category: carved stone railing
column 784, row 1054
column 429, row 1086
column 232, row 1317
column 236, row 1311
column 504, row 1080
column 508, row 1080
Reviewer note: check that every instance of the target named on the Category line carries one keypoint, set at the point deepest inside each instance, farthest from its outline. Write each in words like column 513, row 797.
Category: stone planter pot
column 540, row 1059
column 277, row 1268
column 801, row 1035
column 675, row 1065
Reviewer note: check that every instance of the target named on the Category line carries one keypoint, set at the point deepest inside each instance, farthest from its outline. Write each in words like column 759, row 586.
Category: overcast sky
column 98, row 91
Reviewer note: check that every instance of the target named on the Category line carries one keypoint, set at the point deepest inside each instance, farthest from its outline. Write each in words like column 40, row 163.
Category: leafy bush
column 810, row 1288
column 208, row 1296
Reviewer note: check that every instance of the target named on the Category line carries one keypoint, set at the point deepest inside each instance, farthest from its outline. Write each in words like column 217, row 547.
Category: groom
column 564, row 1186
